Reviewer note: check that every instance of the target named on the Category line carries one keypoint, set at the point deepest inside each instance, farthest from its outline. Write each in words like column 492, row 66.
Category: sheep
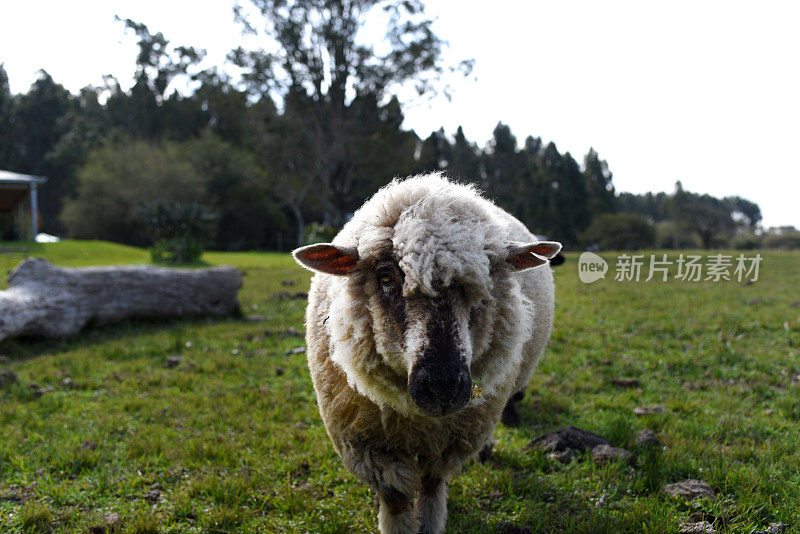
column 426, row 318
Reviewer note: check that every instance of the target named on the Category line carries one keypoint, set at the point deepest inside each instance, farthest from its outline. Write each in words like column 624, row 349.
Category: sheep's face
column 430, row 329
column 424, row 337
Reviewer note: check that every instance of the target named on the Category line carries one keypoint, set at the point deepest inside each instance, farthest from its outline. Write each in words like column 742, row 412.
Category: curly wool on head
column 439, row 231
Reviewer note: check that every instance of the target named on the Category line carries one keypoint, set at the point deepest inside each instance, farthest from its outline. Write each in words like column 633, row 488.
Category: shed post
column 34, row 211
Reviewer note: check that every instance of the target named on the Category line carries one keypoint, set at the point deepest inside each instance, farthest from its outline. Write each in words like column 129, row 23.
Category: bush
column 619, row 231
column 672, row 235
column 176, row 251
column 319, row 233
column 177, row 230
column 746, row 241
column 116, row 180
column 788, row 240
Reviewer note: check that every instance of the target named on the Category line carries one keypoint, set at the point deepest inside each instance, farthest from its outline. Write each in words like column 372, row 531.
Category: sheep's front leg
column 431, row 505
column 395, row 481
column 396, row 512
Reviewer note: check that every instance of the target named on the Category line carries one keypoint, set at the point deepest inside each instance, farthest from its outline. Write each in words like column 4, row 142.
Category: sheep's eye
column 387, row 277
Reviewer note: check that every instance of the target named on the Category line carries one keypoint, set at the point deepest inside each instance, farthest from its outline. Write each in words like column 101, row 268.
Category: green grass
column 231, row 441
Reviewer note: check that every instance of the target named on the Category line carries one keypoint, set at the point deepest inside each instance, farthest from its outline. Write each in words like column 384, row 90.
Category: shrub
column 672, row 235
column 746, row 241
column 789, row 240
column 176, row 251
column 177, row 230
column 319, row 233
column 117, row 179
column 619, row 231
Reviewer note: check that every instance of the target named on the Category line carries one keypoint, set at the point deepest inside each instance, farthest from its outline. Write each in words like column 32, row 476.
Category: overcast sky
column 703, row 92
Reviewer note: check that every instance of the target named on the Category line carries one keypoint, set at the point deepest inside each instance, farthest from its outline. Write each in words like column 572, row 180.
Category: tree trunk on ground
column 48, row 301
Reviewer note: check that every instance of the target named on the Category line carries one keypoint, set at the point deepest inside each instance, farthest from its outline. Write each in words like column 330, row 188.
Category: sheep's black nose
column 440, row 388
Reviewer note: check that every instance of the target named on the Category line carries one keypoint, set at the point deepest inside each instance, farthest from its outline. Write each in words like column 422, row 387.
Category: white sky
column 703, row 92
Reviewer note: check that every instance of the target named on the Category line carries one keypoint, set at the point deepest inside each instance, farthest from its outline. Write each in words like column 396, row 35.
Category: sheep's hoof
column 510, row 416
column 486, row 453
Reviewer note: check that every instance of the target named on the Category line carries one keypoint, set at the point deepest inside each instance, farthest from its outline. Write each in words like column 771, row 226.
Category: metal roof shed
column 13, row 190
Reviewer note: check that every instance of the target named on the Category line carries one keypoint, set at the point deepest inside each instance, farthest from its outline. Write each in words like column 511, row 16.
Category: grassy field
column 230, row 440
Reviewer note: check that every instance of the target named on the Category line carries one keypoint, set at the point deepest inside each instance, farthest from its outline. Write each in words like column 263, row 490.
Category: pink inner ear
column 327, row 259
column 544, row 249
column 525, row 260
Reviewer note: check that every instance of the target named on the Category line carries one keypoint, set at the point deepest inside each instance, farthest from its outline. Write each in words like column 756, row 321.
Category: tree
column 238, row 190
column 709, row 217
column 572, row 200
column 435, row 153
column 655, row 207
column 85, row 127
column 465, row 161
column 287, row 153
column 146, row 111
column 157, row 64
column 6, row 105
column 228, row 112
column 531, row 185
column 744, row 212
column 320, row 69
column 503, row 165
column 545, row 190
column 380, row 149
column 690, row 219
column 598, row 184
column 37, row 124
column 320, row 57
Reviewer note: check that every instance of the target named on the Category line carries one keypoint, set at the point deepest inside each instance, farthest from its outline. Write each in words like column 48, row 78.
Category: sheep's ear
column 523, row 256
column 327, row 258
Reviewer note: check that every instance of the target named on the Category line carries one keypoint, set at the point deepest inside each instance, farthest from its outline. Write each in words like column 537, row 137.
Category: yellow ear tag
column 477, row 391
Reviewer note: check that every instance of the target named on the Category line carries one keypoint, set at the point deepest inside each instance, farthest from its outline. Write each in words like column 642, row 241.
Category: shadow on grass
column 26, row 348
column 539, row 413
column 534, row 503
column 191, row 265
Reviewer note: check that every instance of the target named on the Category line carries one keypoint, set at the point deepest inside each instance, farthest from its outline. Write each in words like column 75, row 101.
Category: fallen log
column 48, row 301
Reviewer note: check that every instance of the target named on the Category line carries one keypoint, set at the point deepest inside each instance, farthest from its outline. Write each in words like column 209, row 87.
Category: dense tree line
column 310, row 131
